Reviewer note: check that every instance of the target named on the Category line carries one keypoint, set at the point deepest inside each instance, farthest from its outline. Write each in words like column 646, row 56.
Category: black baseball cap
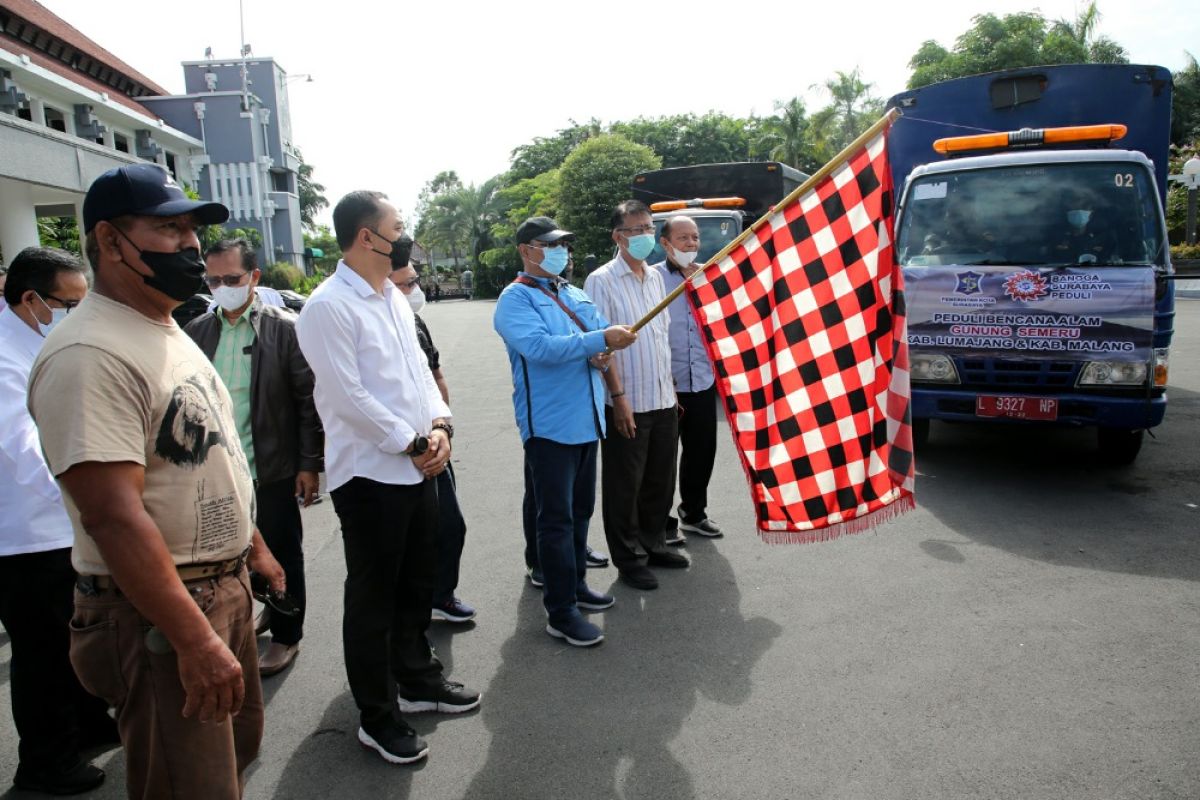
column 143, row 190
column 542, row 229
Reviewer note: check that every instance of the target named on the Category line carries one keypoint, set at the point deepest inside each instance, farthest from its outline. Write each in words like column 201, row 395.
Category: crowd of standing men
column 155, row 473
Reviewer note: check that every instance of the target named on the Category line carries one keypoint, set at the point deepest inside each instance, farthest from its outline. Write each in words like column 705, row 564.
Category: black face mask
column 401, row 250
column 178, row 275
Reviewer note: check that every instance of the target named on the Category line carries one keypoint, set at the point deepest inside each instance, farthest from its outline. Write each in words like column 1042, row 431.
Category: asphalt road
column 1031, row 631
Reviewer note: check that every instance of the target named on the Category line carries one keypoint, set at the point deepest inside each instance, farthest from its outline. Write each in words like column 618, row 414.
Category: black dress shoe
column 639, row 577
column 83, row 777
column 667, row 559
column 101, row 734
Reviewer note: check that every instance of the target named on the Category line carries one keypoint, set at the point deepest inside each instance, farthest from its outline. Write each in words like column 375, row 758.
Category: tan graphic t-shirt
column 113, row 385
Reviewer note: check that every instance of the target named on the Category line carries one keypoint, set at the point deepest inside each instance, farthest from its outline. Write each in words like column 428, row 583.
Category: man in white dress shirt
column 54, row 716
column 387, row 438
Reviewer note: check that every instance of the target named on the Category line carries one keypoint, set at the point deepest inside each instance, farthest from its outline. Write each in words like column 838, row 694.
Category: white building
column 69, row 110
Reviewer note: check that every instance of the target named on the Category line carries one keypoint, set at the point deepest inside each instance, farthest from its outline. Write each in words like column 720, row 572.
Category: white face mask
column 231, row 298
column 57, row 315
column 416, row 299
column 683, row 258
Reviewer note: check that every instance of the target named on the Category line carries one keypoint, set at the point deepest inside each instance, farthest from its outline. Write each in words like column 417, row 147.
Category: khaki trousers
column 166, row 755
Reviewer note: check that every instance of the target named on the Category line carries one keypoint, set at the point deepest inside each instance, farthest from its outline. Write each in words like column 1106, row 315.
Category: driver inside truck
column 1085, row 235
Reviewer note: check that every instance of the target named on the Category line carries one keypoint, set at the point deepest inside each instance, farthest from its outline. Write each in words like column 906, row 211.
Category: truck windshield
column 715, row 233
column 1075, row 213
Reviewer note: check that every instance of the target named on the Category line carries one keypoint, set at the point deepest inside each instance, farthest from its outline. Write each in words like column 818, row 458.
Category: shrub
column 282, row 275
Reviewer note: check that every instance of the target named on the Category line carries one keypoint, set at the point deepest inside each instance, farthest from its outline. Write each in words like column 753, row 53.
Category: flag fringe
column 901, row 505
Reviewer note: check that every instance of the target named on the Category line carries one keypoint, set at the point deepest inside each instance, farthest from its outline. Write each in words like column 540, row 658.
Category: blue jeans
column 563, row 478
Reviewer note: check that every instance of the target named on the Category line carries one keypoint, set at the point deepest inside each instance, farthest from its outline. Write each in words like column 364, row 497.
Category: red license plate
column 991, row 405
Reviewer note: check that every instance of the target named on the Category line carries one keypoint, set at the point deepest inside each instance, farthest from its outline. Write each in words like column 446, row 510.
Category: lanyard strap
column 525, row 280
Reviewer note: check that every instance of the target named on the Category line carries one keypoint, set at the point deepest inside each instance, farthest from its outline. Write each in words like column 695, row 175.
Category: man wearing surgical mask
column 254, row 349
column 694, row 385
column 638, row 461
column 55, row 718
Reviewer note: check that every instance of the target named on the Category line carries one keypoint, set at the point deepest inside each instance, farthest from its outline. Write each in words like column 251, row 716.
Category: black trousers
column 697, row 451
column 638, row 479
column 279, row 522
column 51, row 710
column 389, row 533
column 451, row 536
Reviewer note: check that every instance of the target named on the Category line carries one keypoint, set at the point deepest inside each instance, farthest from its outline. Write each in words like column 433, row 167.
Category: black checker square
column 844, row 357
column 815, row 272
column 810, row 373
column 758, row 399
column 815, row 507
column 900, row 460
column 763, row 307
column 781, row 290
column 831, row 314
column 747, row 270
column 767, row 478
column 794, row 333
column 847, row 500
column 788, row 428
column 865, row 294
column 720, row 285
column 762, row 439
column 858, row 401
column 799, row 229
column 837, row 455
column 867, row 182
column 750, row 359
column 734, row 324
column 849, row 252
column 824, row 413
column 833, row 207
column 802, row 467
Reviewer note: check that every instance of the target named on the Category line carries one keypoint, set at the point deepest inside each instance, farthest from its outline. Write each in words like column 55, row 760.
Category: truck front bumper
column 1074, row 408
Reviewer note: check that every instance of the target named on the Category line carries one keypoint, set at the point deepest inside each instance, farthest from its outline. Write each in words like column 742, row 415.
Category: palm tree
column 853, row 108
column 461, row 218
column 784, row 137
column 1082, row 30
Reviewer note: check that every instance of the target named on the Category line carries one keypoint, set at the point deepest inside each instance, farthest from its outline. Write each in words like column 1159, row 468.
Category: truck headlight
column 1161, row 357
column 932, row 368
column 1113, row 373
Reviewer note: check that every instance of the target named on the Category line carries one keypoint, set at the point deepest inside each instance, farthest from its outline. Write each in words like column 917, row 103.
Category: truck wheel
column 920, row 432
column 1119, row 446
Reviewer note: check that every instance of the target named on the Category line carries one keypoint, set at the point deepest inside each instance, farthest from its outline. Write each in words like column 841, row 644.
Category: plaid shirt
column 645, row 366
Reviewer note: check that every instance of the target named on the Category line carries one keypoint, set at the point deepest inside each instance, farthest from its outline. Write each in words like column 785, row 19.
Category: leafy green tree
column 1185, row 113
column 312, row 199
column 785, row 136
column 593, row 179
column 60, row 232
column 546, row 153
column 1024, row 39
column 685, row 139
column 322, row 238
column 211, row 234
column 530, row 197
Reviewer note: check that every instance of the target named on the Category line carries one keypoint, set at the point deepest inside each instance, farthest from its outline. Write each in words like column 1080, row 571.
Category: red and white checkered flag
column 805, row 325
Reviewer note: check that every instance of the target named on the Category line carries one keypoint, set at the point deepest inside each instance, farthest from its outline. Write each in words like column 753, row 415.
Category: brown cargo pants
column 166, row 755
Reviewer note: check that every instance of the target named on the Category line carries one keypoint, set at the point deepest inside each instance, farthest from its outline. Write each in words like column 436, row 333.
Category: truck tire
column 1119, row 446
column 920, row 432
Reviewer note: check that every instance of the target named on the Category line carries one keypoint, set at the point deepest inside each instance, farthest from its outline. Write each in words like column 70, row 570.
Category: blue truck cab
column 1033, row 244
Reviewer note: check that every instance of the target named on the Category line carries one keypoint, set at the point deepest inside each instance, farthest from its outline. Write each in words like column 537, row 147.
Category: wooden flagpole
column 818, row 176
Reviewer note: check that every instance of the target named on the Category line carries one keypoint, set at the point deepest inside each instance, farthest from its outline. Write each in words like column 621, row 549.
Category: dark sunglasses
column 214, row 281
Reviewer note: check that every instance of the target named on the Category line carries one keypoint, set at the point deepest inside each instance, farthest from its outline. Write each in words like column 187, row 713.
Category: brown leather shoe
column 277, row 658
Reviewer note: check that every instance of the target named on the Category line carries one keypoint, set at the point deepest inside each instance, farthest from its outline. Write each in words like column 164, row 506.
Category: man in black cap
column 137, row 427
column 558, row 344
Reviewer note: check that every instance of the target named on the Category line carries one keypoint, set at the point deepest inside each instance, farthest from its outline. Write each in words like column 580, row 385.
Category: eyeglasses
column 69, row 305
column 641, row 229
column 214, row 281
column 409, row 284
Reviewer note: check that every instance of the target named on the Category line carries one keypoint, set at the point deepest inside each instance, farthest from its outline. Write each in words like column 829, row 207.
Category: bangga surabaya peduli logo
column 1025, row 285
column 968, row 283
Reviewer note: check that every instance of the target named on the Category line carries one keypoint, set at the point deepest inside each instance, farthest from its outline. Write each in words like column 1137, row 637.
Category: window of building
column 281, row 181
column 171, row 165
column 55, row 119
column 121, row 142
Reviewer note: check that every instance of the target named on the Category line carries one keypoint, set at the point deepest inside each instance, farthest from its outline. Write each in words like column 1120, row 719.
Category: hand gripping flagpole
column 818, row 176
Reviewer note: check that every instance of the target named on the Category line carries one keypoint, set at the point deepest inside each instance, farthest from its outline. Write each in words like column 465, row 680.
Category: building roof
column 29, row 28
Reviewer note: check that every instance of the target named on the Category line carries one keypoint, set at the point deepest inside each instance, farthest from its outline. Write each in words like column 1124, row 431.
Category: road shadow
column 1042, row 493
column 600, row 722
column 330, row 762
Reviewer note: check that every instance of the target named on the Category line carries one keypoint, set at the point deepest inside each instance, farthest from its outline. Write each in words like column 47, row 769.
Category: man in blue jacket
column 558, row 345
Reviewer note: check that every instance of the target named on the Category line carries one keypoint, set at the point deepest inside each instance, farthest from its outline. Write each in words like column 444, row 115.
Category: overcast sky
column 402, row 91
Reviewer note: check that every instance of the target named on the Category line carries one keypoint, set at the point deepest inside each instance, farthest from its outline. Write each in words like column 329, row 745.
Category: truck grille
column 1002, row 373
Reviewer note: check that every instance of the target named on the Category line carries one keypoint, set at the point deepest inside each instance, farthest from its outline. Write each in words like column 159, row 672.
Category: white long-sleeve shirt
column 374, row 391
column 32, row 516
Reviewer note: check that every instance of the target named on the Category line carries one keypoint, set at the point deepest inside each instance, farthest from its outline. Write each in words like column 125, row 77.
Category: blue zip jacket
column 557, row 394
